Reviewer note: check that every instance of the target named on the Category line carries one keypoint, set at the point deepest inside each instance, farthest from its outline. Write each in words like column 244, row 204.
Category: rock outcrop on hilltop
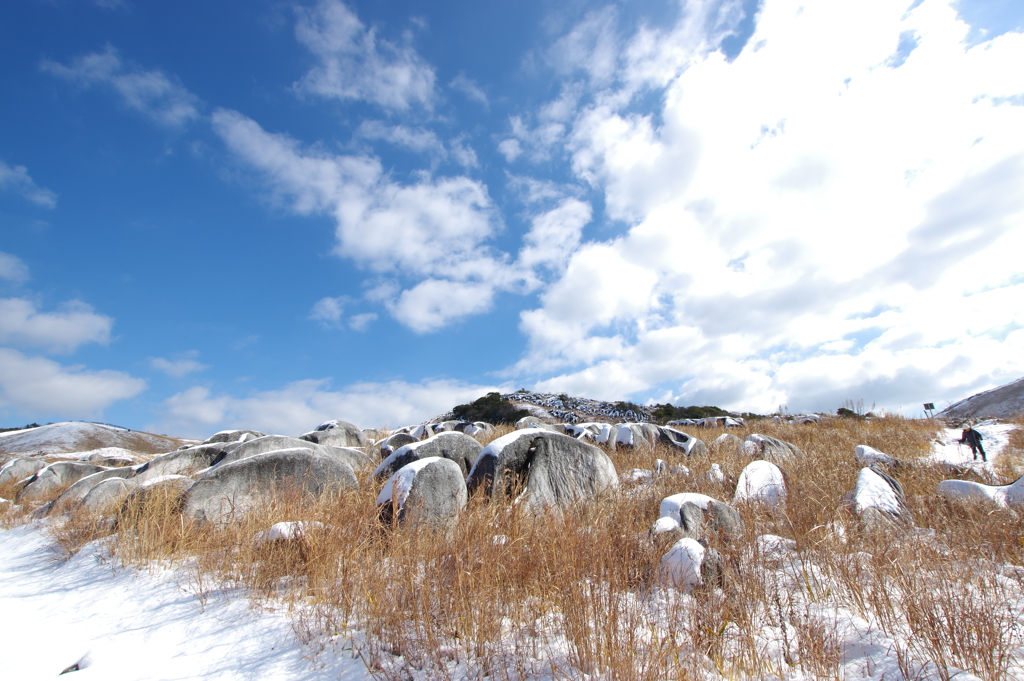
column 1004, row 402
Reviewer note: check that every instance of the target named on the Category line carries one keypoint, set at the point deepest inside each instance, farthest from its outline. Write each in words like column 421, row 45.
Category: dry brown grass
column 509, row 595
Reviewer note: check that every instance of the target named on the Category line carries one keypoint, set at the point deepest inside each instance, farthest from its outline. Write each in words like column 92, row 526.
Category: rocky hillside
column 1005, row 402
column 564, row 409
column 80, row 436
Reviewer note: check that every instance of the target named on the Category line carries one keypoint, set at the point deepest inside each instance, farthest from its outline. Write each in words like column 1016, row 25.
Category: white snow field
column 946, row 449
column 122, row 624
column 80, row 437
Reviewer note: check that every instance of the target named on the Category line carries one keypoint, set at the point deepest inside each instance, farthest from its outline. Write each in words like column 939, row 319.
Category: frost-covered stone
column 107, row 494
column 1004, row 496
column 875, row 489
column 681, row 566
column 726, row 443
column 290, row 530
column 758, row 446
column 866, row 455
column 49, row 481
column 715, row 516
column 640, row 435
column 336, row 434
column 186, row 461
column 534, row 422
column 231, row 489
column 19, row 469
column 393, row 442
column 690, row 445
column 458, row 447
column 431, row 490
column 225, row 436
column 761, row 481
column 75, row 495
column 548, row 469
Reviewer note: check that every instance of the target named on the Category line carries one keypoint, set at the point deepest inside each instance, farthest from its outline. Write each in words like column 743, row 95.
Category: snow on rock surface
column 761, row 481
column 123, row 624
column 873, row 491
column 680, row 567
column 288, row 530
column 670, row 505
column 867, row 455
column 1001, row 495
column 79, row 436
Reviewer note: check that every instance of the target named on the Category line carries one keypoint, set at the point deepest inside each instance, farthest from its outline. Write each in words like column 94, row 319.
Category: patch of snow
column 868, row 455
column 287, row 531
column 670, row 505
column 948, row 450
column 680, row 567
column 761, row 481
column 664, row 524
column 873, row 491
column 399, row 485
column 122, row 624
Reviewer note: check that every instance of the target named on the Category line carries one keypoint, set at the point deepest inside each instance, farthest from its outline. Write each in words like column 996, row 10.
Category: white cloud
column 149, row 92
column 433, row 304
column 17, row 181
column 36, row 385
column 73, row 324
column 354, row 64
column 799, row 230
column 13, row 269
column 361, row 322
column 510, row 148
column 302, row 405
column 469, row 88
column 420, row 140
column 432, row 230
column 554, row 235
column 328, row 310
column 185, row 363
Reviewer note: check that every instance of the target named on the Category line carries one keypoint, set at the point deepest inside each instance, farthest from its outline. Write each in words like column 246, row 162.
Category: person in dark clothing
column 973, row 438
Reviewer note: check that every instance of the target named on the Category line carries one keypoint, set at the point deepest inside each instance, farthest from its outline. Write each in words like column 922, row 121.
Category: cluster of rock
column 428, row 473
column 565, row 409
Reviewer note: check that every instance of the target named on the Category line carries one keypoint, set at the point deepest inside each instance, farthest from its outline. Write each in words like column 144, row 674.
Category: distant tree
column 31, row 425
column 491, row 409
column 667, row 412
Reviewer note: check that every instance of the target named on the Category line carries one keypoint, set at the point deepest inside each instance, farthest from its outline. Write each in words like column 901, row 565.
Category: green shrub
column 490, row 408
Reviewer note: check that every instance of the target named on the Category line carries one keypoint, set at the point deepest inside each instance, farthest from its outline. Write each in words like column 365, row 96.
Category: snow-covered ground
column 79, row 436
column 948, row 450
column 121, row 623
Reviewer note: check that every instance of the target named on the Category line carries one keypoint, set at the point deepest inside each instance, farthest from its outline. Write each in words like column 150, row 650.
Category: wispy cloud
column 17, row 180
column 470, row 89
column 354, row 64
column 151, row 92
column 328, row 311
column 181, row 365
column 13, row 269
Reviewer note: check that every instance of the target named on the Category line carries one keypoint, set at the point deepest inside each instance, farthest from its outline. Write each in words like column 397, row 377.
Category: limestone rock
column 458, row 447
column 430, row 491
column 547, row 469
column 231, row 489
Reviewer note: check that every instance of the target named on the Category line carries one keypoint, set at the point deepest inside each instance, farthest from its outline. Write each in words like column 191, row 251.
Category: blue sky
column 269, row 214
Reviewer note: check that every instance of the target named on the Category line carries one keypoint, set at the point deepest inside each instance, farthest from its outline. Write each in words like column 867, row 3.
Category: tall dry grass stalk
column 510, row 595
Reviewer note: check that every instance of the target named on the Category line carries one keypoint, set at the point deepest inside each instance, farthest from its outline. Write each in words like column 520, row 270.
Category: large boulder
column 479, row 429
column 73, row 496
column 431, row 491
column 19, row 469
column 690, row 445
column 726, row 443
column 689, row 565
column 337, row 434
column 458, row 447
column 876, row 489
column 699, row 517
column 226, row 436
column 108, row 494
column 393, row 442
column 1003, row 496
column 866, row 456
column 111, row 456
column 156, row 495
column 638, row 435
column 534, row 422
column 547, row 469
column 231, row 489
column 50, row 481
column 185, row 461
column 758, row 446
column 761, row 481
column 599, row 433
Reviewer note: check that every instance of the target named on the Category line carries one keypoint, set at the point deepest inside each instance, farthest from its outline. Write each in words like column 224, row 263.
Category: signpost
column 929, row 407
